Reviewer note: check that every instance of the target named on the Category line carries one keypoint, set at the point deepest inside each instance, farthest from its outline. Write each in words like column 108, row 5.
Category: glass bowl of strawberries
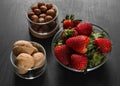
column 81, row 46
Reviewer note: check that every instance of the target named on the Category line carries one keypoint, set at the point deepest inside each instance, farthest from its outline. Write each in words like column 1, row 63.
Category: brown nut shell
column 35, row 27
column 43, row 8
column 34, row 7
column 54, row 9
column 41, row 20
column 43, row 15
column 39, row 59
column 52, row 24
column 37, row 11
column 30, row 14
column 48, row 18
column 49, row 5
column 41, row 4
column 34, row 18
column 35, row 50
column 22, row 46
column 24, row 61
column 44, row 28
column 51, row 12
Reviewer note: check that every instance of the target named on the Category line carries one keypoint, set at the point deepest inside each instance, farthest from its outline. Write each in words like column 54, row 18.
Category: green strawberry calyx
column 58, row 42
column 68, row 33
column 71, row 17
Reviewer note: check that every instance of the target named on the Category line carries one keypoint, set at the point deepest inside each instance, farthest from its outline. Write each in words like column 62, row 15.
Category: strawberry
column 103, row 44
column 68, row 21
column 76, row 22
column 62, row 52
column 79, row 62
column 68, row 24
column 84, row 28
column 68, row 33
column 78, row 43
column 75, row 33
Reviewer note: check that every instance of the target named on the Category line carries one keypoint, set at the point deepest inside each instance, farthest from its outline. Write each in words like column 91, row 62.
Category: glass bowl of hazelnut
column 43, row 19
column 28, row 59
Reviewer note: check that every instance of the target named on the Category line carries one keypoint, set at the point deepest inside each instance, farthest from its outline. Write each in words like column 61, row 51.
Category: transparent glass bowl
column 30, row 73
column 46, row 29
column 96, row 29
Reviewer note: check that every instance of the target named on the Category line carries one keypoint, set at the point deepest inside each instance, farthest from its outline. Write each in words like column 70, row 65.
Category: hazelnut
column 41, row 20
column 48, row 18
column 43, row 8
column 40, row 4
column 42, row 15
column 49, row 5
column 51, row 12
column 34, row 7
column 34, row 18
column 35, row 27
column 44, row 28
column 30, row 14
column 52, row 24
column 54, row 9
column 37, row 11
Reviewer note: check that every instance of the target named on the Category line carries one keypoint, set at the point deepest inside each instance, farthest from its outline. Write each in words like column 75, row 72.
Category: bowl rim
column 70, row 68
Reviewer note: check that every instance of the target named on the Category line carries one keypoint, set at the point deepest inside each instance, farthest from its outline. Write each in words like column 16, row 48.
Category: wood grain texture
column 13, row 26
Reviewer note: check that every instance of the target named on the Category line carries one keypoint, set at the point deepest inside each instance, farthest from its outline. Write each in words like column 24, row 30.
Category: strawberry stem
column 68, row 17
column 71, row 17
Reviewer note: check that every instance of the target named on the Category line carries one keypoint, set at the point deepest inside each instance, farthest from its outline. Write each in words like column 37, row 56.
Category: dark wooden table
column 13, row 26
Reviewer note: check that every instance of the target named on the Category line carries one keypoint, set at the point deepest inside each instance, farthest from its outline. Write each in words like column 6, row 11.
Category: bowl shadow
column 98, row 77
column 39, row 81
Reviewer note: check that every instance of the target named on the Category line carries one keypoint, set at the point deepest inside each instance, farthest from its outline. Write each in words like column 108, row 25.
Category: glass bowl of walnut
column 28, row 59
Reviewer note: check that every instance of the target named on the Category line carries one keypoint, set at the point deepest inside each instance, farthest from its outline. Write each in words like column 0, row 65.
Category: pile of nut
column 42, row 12
column 27, row 56
column 43, row 17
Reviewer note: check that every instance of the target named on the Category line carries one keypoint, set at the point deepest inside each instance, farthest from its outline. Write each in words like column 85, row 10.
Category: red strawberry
column 78, row 43
column 75, row 33
column 68, row 24
column 62, row 52
column 76, row 22
column 79, row 62
column 104, row 45
column 84, row 28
